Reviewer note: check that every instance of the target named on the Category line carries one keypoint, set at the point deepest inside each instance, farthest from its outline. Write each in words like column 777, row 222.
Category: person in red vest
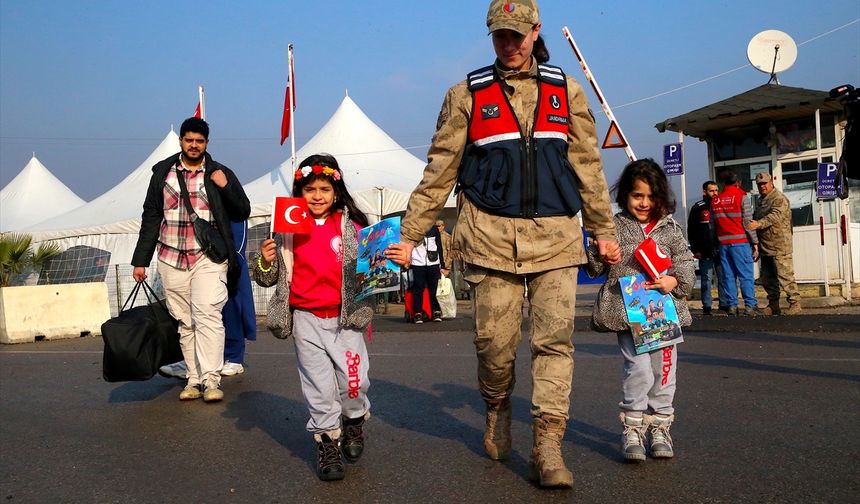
column 732, row 213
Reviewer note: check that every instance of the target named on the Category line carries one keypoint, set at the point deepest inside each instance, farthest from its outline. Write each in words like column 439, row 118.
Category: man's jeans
column 736, row 264
column 708, row 269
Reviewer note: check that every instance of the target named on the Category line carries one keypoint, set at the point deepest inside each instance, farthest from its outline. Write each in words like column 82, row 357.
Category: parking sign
column 673, row 164
column 826, row 187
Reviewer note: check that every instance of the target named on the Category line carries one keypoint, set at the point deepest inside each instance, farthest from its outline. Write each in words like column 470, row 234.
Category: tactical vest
column 504, row 172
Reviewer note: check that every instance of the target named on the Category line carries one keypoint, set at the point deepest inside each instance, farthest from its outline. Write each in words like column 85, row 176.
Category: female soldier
column 518, row 139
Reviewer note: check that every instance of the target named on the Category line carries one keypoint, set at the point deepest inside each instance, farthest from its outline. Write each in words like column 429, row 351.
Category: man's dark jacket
column 226, row 204
column 700, row 229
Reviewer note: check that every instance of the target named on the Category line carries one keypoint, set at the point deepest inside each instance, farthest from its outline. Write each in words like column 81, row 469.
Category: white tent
column 34, row 195
column 379, row 173
column 112, row 221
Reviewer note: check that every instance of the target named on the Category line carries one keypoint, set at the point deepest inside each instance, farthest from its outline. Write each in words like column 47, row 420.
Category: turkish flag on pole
column 289, row 99
column 651, row 258
column 290, row 215
column 201, row 105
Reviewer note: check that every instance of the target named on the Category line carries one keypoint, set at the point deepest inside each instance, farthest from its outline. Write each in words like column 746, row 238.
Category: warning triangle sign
column 613, row 131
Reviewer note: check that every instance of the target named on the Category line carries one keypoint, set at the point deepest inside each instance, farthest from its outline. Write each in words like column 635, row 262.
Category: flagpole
column 596, row 88
column 272, row 223
column 292, row 108
column 202, row 103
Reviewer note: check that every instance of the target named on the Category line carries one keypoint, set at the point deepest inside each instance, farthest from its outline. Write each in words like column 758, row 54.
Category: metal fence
column 82, row 264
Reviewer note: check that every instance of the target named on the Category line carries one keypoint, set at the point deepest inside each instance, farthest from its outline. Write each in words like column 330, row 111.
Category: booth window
column 740, row 143
column 798, row 135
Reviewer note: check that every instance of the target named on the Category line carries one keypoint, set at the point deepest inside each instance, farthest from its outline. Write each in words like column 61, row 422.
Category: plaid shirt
column 177, row 245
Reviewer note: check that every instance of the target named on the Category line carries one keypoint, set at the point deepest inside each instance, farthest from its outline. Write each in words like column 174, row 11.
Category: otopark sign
column 673, row 162
column 826, row 186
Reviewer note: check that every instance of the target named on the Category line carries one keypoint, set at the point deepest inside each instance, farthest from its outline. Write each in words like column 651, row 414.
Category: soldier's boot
column 633, row 438
column 497, row 436
column 546, row 465
column 661, row 441
column 772, row 308
column 793, row 308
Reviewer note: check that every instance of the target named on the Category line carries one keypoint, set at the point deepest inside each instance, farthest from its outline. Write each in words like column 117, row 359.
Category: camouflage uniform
column 773, row 215
column 504, row 255
column 446, row 250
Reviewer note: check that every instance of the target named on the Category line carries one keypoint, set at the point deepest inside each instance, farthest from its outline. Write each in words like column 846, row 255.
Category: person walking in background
column 238, row 314
column 732, row 213
column 704, row 246
column 519, row 141
column 650, row 379
column 426, row 262
column 772, row 224
column 196, row 287
column 315, row 301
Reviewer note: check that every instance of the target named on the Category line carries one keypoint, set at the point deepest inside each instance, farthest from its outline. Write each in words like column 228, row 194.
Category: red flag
column 197, row 112
column 290, row 95
column 290, row 215
column 285, row 121
column 651, row 258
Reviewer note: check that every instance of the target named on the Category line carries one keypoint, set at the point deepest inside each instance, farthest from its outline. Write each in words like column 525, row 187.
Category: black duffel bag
column 139, row 340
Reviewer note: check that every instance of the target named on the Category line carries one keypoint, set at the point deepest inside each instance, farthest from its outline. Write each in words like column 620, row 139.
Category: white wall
column 52, row 311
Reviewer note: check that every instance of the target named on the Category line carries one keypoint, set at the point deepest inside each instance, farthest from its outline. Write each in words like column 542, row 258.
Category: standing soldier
column 772, row 223
column 518, row 139
column 446, row 248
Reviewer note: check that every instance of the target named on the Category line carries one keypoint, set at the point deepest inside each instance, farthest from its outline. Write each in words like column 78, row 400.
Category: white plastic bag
column 446, row 298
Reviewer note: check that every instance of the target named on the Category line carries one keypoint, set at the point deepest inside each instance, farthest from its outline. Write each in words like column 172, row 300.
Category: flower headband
column 305, row 171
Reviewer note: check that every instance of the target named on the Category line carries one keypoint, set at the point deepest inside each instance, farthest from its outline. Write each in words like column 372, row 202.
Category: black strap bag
column 139, row 340
column 209, row 238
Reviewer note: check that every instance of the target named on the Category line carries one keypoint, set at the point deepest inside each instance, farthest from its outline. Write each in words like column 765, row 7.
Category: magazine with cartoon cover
column 376, row 273
column 652, row 316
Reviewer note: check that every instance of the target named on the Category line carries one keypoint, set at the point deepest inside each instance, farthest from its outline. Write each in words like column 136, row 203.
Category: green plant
column 16, row 256
column 43, row 254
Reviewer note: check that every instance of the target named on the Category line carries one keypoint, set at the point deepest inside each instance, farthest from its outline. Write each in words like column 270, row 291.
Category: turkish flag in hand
column 651, row 258
column 290, row 215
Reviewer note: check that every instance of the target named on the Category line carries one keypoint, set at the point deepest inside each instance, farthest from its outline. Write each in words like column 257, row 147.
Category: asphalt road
column 767, row 411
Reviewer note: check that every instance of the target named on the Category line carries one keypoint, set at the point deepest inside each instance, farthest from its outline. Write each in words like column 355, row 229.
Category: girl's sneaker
column 329, row 458
column 661, row 441
column 633, row 438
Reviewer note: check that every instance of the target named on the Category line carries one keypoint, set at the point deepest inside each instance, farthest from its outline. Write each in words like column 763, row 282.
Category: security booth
column 787, row 132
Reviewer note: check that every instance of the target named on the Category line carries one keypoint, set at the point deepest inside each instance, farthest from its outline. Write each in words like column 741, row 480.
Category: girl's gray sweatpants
column 333, row 367
column 649, row 379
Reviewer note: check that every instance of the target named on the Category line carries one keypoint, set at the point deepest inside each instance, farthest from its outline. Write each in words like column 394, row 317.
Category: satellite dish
column 771, row 52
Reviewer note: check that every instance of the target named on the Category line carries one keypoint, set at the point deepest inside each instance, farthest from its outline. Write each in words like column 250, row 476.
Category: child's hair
column 649, row 172
column 328, row 170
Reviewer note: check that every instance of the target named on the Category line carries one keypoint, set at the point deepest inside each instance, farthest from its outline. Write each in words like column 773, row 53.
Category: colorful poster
column 376, row 273
column 653, row 316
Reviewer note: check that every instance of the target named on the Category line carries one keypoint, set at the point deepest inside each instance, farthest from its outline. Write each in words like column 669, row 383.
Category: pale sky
column 93, row 86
